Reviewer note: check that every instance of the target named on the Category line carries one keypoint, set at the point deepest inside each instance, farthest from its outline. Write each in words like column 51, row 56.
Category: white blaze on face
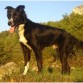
column 10, row 20
column 21, row 35
column 26, row 69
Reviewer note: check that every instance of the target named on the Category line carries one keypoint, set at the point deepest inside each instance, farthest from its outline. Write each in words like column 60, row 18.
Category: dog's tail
column 78, row 43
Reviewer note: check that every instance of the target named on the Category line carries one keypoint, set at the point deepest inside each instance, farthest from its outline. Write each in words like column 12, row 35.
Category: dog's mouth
column 12, row 29
column 12, row 25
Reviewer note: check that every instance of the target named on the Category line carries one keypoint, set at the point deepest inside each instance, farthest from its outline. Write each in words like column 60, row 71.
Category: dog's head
column 16, row 15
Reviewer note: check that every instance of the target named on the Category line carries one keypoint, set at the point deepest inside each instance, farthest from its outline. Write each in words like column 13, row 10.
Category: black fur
column 40, row 36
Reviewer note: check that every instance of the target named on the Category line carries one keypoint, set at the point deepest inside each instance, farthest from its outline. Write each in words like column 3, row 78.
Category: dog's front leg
column 27, row 56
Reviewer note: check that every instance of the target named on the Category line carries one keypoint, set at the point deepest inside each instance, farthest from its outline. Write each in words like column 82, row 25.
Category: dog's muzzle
column 10, row 22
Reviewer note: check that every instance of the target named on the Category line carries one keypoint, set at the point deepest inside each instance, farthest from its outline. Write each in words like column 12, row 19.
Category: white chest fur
column 21, row 35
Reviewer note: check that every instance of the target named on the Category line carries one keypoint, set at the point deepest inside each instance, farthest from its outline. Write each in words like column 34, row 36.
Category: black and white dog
column 36, row 37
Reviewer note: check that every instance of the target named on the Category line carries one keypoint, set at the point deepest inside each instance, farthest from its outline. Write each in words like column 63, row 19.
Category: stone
column 78, row 10
column 8, row 69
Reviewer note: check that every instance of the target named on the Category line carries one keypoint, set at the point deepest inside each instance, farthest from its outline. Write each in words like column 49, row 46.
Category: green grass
column 51, row 71
column 45, row 76
column 54, row 75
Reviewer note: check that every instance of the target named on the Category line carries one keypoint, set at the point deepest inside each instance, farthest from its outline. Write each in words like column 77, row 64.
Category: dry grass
column 51, row 70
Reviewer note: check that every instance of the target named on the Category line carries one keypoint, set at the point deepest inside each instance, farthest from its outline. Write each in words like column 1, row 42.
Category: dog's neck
column 19, row 28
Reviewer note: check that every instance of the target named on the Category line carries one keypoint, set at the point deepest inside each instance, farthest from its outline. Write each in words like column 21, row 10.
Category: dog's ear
column 9, row 7
column 20, row 8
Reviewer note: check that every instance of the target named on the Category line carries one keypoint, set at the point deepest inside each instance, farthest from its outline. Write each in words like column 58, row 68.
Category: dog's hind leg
column 27, row 56
column 38, row 55
column 63, row 58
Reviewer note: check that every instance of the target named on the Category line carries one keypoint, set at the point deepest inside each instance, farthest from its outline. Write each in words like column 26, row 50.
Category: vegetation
column 10, row 50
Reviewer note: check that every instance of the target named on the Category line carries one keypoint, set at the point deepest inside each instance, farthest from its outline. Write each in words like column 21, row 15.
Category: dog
column 35, row 36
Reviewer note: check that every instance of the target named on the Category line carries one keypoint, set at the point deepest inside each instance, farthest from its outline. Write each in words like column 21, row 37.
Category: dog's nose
column 9, row 23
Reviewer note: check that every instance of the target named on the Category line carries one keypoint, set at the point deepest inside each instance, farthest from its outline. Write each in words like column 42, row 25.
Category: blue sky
column 38, row 11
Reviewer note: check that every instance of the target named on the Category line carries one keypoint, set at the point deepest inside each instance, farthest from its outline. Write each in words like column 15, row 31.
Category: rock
column 78, row 10
column 34, row 69
column 73, row 68
column 8, row 69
